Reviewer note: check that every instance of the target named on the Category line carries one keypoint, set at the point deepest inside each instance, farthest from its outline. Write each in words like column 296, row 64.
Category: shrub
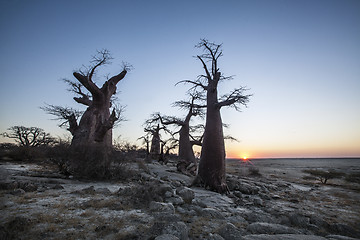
column 254, row 171
column 323, row 176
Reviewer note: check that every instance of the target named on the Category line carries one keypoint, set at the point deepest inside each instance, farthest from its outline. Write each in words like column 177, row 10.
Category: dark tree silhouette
column 92, row 136
column 146, row 141
column 155, row 148
column 212, row 161
column 29, row 136
column 186, row 153
column 67, row 116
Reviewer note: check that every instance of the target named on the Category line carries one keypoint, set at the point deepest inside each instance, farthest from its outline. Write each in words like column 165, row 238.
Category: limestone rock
column 299, row 220
column 187, row 194
column 268, row 228
column 283, row 237
column 177, row 229
column 338, row 237
column 166, row 237
column 345, row 230
column 215, row 236
column 161, row 207
column 211, row 213
column 104, row 191
column 229, row 232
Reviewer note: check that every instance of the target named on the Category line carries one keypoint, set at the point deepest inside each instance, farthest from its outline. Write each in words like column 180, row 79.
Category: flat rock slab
column 162, row 172
column 283, row 237
column 212, row 199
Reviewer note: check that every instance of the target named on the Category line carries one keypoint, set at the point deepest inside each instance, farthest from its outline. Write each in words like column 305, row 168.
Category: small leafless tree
column 29, row 136
column 212, row 161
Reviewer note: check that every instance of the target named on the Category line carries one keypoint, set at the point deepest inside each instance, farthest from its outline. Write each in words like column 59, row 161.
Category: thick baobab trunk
column 92, row 138
column 212, row 160
column 155, row 143
column 186, row 152
column 92, row 127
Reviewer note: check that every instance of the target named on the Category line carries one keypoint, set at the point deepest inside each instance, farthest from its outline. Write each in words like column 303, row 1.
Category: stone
column 166, row 237
column 199, row 203
column 166, row 217
column 258, row 201
column 265, row 196
column 163, row 188
column 229, row 232
column 168, row 194
column 178, row 229
column 239, row 185
column 104, row 191
column 215, row 236
column 268, row 228
column 29, row 187
column 161, row 207
column 88, row 190
column 211, row 213
column 258, row 216
column 321, row 223
column 175, row 200
column 345, row 230
column 283, row 237
column 238, row 194
column 299, row 220
column 57, row 187
column 186, row 194
column 339, row 237
column 17, row 192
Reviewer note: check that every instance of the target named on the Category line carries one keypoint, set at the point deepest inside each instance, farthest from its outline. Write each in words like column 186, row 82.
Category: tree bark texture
column 155, row 142
column 92, row 138
column 212, row 160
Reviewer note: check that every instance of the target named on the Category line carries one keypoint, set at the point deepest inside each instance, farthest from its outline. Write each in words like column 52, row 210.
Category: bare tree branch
column 29, row 136
column 101, row 58
column 195, row 83
column 234, row 99
column 67, row 116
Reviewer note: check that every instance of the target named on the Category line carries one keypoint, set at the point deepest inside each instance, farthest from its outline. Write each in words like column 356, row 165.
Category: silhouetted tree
column 92, row 136
column 29, row 136
column 186, row 153
column 67, row 116
column 324, row 176
column 155, row 148
column 212, row 161
column 146, row 141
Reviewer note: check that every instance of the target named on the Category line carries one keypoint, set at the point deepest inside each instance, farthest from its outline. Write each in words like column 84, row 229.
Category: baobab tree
column 94, row 130
column 212, row 161
column 154, row 131
column 186, row 153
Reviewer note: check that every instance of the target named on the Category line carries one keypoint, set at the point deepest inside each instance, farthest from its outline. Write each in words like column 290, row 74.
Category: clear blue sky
column 301, row 60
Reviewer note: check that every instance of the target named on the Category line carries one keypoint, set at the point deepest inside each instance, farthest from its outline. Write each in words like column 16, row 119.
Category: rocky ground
column 154, row 202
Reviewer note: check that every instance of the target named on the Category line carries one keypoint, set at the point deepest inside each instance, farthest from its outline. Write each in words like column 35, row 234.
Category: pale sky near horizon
column 300, row 59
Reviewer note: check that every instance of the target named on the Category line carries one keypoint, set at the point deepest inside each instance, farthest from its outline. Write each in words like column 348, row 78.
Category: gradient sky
column 301, row 60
